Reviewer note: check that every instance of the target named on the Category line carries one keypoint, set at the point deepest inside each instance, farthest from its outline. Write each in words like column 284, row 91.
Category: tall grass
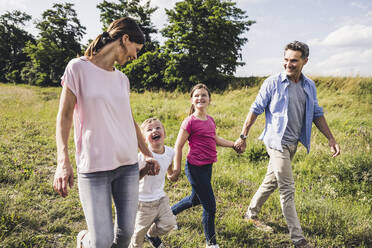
column 333, row 195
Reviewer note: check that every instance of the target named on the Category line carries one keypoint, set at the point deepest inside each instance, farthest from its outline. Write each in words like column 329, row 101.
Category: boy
column 154, row 215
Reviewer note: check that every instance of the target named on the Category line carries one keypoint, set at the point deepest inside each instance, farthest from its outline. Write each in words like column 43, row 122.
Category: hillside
column 333, row 195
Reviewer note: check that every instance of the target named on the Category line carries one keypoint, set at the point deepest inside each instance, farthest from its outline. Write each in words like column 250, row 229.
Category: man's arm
column 240, row 144
column 321, row 124
column 263, row 98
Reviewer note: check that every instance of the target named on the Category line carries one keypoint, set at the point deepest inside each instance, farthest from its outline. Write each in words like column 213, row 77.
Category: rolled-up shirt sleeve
column 318, row 111
column 263, row 98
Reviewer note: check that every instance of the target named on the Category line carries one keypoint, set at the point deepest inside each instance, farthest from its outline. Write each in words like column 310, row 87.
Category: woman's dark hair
column 116, row 30
column 197, row 87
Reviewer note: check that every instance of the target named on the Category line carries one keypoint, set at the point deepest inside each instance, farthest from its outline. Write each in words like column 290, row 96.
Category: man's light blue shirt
column 273, row 99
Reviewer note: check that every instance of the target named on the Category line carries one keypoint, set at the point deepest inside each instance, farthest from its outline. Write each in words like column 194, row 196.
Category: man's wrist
column 243, row 137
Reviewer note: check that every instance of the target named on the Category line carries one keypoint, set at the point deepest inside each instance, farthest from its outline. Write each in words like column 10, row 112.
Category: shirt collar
column 284, row 78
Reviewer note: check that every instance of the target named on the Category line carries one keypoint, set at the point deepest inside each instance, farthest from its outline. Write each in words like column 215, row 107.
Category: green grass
column 333, row 195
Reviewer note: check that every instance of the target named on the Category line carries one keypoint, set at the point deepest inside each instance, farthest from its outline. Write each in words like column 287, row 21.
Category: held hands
column 335, row 148
column 64, row 176
column 240, row 145
column 152, row 166
column 174, row 176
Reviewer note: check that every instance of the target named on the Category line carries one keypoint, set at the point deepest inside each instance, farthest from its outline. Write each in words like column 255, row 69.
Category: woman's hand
column 152, row 165
column 64, row 174
column 63, row 177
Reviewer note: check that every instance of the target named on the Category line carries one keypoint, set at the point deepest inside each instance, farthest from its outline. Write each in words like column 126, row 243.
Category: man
column 290, row 104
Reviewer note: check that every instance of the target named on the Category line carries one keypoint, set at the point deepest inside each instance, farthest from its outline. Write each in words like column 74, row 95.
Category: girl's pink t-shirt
column 104, row 131
column 202, row 140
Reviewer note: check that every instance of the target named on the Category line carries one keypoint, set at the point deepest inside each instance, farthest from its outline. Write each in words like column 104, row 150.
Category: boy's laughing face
column 154, row 133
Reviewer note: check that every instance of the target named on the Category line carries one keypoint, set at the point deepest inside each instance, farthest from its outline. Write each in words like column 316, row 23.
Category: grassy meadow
column 333, row 195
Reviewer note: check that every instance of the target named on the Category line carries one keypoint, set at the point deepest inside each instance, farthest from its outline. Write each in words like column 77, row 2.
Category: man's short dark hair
column 298, row 46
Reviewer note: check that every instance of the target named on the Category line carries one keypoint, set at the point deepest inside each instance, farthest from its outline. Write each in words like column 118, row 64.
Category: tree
column 147, row 72
column 204, row 42
column 58, row 42
column 133, row 8
column 12, row 41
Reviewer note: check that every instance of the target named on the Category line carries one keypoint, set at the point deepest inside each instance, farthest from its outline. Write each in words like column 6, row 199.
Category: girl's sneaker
column 212, row 246
column 303, row 244
column 79, row 238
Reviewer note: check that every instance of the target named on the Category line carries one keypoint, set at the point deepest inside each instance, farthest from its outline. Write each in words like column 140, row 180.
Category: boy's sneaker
column 80, row 237
column 155, row 241
column 258, row 224
column 303, row 244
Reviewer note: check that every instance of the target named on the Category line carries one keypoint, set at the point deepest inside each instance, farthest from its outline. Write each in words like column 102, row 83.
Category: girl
column 200, row 130
column 95, row 96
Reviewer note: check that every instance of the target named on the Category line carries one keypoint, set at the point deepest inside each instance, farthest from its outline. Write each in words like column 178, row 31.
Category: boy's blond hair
column 149, row 121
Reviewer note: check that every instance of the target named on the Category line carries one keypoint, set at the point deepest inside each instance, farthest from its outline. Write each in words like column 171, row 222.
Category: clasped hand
column 152, row 167
column 240, row 145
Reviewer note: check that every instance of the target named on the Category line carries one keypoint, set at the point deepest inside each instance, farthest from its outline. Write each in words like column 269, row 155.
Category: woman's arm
column 183, row 135
column 64, row 174
column 155, row 168
column 141, row 141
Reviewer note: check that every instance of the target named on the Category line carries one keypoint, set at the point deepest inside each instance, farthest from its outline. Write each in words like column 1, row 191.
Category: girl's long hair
column 116, row 30
column 197, row 87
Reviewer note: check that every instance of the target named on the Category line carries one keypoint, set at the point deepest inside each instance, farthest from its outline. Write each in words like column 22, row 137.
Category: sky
column 338, row 32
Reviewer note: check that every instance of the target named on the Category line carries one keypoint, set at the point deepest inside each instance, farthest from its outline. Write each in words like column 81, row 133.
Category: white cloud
column 250, row 1
column 261, row 67
column 360, row 5
column 347, row 36
column 351, row 62
column 346, row 51
column 6, row 5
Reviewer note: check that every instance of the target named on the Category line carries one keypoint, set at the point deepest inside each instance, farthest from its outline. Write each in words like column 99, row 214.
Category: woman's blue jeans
column 96, row 192
column 202, row 193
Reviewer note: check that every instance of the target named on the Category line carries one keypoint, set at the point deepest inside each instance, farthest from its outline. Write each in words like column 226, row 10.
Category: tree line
column 203, row 42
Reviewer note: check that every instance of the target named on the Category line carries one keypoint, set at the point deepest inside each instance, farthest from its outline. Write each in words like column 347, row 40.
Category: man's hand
column 240, row 145
column 153, row 166
column 335, row 148
column 64, row 176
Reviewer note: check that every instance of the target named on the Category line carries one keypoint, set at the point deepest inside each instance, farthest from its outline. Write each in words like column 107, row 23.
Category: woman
column 95, row 96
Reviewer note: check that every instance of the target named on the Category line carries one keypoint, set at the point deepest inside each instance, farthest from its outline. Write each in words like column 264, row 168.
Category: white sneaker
column 212, row 246
column 80, row 237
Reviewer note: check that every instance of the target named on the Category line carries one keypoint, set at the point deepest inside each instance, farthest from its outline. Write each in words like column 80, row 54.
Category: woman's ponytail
column 116, row 30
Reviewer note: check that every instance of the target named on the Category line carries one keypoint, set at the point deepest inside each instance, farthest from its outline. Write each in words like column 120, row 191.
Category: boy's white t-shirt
column 104, row 132
column 151, row 188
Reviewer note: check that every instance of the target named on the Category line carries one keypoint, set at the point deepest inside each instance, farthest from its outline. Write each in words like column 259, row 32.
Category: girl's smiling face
column 200, row 99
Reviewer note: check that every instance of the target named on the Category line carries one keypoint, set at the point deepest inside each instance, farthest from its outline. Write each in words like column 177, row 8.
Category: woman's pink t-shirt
column 104, row 131
column 202, row 140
